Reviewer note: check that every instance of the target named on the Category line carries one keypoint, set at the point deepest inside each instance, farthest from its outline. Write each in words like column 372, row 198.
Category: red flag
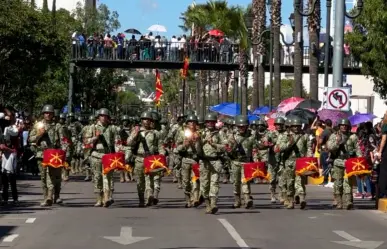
column 159, row 88
column 54, row 158
column 184, row 70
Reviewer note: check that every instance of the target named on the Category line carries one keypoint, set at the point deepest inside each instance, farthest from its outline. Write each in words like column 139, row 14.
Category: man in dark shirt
column 321, row 146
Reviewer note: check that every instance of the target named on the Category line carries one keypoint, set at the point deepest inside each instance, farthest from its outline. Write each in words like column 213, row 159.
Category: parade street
column 77, row 224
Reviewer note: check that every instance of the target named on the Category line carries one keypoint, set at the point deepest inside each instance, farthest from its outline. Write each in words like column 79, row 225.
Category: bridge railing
column 226, row 53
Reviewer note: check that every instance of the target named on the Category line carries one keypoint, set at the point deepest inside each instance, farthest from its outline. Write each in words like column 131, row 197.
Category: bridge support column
column 71, row 88
column 338, row 44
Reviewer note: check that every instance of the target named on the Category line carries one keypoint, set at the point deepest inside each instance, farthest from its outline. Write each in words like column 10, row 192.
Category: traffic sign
column 338, row 98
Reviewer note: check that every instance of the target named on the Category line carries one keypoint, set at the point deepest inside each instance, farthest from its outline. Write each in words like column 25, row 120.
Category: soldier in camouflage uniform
column 46, row 135
column 189, row 146
column 75, row 128
column 61, row 124
column 274, row 160
column 292, row 145
column 87, row 149
column 342, row 145
column 225, row 133
column 261, row 133
column 124, row 133
column 253, row 127
column 210, row 165
column 240, row 147
column 104, row 140
column 174, row 157
column 144, row 142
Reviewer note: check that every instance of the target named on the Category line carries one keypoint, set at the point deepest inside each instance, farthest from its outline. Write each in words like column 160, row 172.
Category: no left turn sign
column 338, row 99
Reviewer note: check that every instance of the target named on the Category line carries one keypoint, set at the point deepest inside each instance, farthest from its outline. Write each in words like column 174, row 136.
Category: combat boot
column 126, row 176
column 106, row 201
column 248, row 201
column 188, row 201
column 208, row 205
column 302, row 202
column 348, row 201
column 272, row 196
column 156, row 198
column 99, row 200
column 44, row 202
column 282, row 198
column 179, row 184
column 122, row 177
column 174, row 180
column 339, row 202
column 297, row 199
column 237, row 201
column 87, row 178
column 334, row 203
column 49, row 198
column 214, row 207
column 149, row 198
column 290, row 200
column 141, row 199
column 196, row 201
column 57, row 199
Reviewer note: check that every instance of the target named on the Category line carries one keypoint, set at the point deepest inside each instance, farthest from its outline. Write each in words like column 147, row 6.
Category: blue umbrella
column 262, row 110
column 361, row 118
column 218, row 107
column 228, row 109
column 253, row 117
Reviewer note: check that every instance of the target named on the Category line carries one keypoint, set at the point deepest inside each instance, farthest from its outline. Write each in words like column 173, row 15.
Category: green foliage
column 368, row 43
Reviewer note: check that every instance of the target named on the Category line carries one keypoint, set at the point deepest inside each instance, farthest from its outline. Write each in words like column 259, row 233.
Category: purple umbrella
column 333, row 115
column 361, row 118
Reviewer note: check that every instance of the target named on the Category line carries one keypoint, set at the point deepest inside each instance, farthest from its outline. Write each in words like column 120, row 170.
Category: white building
column 66, row 4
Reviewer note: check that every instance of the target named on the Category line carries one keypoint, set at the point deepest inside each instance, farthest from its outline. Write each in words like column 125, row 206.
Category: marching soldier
column 61, row 125
column 274, row 160
column 144, row 142
column 189, row 147
column 210, row 165
column 342, row 146
column 75, row 128
column 225, row 133
column 240, row 148
column 156, row 187
column 124, row 133
column 292, row 145
column 261, row 134
column 45, row 135
column 103, row 139
column 87, row 149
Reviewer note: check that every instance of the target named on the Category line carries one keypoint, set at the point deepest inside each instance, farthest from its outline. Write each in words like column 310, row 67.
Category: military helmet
column 125, row 118
column 103, row 111
column 48, row 108
column 62, row 116
column 71, row 115
column 296, row 122
column 91, row 118
column 147, row 115
column 189, row 112
column 241, row 120
column 211, row 117
column 279, row 120
column 192, row 118
column 344, row 121
column 254, row 122
column 261, row 122
column 155, row 116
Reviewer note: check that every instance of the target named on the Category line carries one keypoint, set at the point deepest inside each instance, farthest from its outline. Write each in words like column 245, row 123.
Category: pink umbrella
column 333, row 115
column 289, row 104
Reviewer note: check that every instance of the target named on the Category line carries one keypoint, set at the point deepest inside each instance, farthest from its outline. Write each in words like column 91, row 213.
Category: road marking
column 30, row 220
column 330, row 214
column 126, row 237
column 313, row 217
column 234, row 234
column 10, row 238
column 346, row 236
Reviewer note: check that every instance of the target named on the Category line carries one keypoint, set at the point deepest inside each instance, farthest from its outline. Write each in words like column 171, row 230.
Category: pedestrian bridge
column 202, row 56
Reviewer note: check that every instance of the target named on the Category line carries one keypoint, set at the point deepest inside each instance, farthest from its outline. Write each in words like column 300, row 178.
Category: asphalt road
column 77, row 224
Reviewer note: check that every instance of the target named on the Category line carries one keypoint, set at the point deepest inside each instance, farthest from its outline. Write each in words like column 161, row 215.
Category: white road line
column 10, row 238
column 347, row 236
column 30, row 220
column 234, row 234
column 313, row 217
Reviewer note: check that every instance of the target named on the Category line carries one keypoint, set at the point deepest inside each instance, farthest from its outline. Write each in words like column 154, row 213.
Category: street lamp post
column 327, row 43
column 339, row 39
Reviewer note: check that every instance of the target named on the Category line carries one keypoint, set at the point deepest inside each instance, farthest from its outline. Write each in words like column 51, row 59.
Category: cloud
column 148, row 5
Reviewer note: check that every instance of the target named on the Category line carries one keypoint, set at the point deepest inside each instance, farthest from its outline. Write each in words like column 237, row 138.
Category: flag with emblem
column 196, row 172
column 184, row 70
column 114, row 161
column 159, row 88
column 54, row 158
column 155, row 163
column 255, row 170
column 307, row 166
column 356, row 166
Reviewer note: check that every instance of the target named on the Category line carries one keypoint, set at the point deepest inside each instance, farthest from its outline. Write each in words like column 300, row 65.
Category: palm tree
column 276, row 25
column 45, row 6
column 54, row 13
column 314, row 34
column 33, row 4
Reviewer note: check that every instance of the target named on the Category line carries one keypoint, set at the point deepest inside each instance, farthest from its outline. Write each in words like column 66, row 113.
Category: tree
column 367, row 43
column 314, row 22
column 276, row 26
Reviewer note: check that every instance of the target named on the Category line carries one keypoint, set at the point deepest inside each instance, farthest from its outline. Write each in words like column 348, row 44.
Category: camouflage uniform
column 241, row 145
column 103, row 138
column 52, row 136
column 274, row 160
column 210, row 165
column 75, row 128
column 224, row 133
column 124, row 133
column 342, row 145
column 144, row 142
column 61, row 125
column 292, row 145
column 261, row 134
column 189, row 147
column 86, row 149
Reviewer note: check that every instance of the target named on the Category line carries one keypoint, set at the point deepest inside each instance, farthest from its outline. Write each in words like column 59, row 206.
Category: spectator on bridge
column 225, row 49
column 131, row 50
column 108, row 47
column 120, row 46
column 173, row 49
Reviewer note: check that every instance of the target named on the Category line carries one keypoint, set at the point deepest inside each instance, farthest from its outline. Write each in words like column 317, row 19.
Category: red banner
column 255, row 170
column 159, row 88
column 155, row 163
column 307, row 166
column 54, row 158
column 184, row 70
column 114, row 161
column 196, row 172
column 356, row 166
